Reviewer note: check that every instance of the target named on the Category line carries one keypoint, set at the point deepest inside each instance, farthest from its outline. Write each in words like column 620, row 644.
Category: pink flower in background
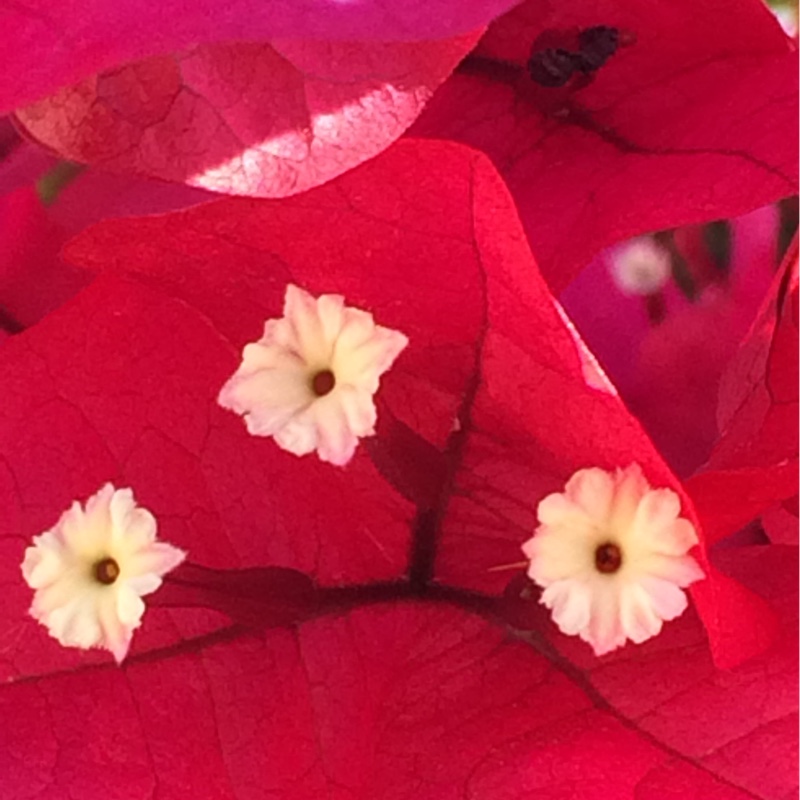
column 666, row 353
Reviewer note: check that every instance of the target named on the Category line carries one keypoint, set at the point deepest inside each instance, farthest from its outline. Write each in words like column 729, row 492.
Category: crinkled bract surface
column 396, row 699
column 267, row 119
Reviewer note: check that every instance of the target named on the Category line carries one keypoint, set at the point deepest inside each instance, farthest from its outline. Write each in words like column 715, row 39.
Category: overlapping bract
column 690, row 99
column 267, row 119
column 50, row 46
column 755, row 458
column 693, row 118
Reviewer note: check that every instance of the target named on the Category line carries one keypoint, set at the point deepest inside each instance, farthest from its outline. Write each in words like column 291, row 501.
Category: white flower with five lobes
column 612, row 555
column 309, row 381
column 91, row 570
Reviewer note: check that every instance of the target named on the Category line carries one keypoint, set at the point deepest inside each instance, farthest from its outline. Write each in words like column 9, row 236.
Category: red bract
column 667, row 683
column 33, row 280
column 490, row 354
column 494, row 403
column 758, row 415
column 51, row 45
column 694, row 97
column 406, row 700
column 758, row 397
column 254, row 119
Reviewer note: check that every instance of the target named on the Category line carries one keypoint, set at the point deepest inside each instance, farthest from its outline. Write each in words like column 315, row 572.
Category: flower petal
column 638, row 616
column 667, row 599
column 593, row 491
column 570, row 603
column 337, row 442
column 267, row 399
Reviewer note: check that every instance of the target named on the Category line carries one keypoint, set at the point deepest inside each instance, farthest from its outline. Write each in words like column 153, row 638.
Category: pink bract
column 51, row 45
column 263, row 119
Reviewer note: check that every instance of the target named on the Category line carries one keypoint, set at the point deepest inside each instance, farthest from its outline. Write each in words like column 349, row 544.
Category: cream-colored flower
column 640, row 266
column 611, row 554
column 309, row 381
column 90, row 571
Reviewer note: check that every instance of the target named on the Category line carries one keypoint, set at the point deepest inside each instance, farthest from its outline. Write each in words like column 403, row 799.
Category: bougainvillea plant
column 319, row 491
column 404, row 638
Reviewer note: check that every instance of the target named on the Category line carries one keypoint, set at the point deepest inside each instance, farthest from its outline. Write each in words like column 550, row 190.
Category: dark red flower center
column 608, row 558
column 323, row 382
column 106, row 571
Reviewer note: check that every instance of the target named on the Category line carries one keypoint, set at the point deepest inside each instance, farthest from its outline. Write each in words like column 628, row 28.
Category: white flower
column 92, row 568
column 309, row 381
column 640, row 266
column 612, row 556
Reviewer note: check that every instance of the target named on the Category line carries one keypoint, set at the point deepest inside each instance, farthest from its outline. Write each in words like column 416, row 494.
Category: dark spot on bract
column 106, row 571
column 559, row 56
column 323, row 382
column 597, row 45
column 608, row 558
column 551, row 67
